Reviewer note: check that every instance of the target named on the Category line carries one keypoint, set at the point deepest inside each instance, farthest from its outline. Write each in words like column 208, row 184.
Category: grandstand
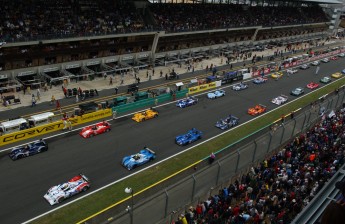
column 93, row 38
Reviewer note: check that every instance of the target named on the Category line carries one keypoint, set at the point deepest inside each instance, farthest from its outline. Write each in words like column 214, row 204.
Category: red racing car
column 312, row 85
column 96, row 129
column 334, row 58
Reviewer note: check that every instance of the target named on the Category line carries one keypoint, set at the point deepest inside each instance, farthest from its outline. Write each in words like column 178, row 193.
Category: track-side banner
column 51, row 127
column 201, row 88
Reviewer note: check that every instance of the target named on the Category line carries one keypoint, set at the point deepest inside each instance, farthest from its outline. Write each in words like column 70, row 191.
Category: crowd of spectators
column 280, row 187
column 176, row 17
column 40, row 19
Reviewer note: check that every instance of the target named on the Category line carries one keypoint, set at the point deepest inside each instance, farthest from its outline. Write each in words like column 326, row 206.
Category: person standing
column 212, row 158
column 114, row 114
column 161, row 73
column 38, row 94
column 116, row 90
column 58, row 106
column 33, row 101
column 52, row 100
column 64, row 91
column 110, row 81
column 76, row 98
column 317, row 70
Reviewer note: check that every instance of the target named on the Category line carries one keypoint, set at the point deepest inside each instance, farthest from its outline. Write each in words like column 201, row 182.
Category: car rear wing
column 84, row 177
column 286, row 97
column 150, row 150
column 262, row 105
column 235, row 118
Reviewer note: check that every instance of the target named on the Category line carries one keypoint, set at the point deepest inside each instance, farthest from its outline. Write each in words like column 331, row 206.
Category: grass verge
column 115, row 193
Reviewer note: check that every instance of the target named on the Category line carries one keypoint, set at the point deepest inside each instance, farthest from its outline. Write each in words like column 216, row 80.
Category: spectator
column 38, row 94
column 33, row 101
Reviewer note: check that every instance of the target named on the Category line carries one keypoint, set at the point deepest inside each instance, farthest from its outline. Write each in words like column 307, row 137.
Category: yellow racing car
column 337, row 75
column 145, row 115
column 277, row 75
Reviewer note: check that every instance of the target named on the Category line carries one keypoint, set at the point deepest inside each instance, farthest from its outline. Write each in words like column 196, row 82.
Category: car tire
column 39, row 150
column 60, row 200
column 90, row 136
column 107, row 130
column 85, row 189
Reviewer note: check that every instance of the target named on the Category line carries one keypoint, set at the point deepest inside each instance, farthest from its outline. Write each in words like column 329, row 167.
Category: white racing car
column 58, row 193
column 280, row 100
column 291, row 71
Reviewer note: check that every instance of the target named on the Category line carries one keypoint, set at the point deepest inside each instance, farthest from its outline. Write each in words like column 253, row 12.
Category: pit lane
column 24, row 182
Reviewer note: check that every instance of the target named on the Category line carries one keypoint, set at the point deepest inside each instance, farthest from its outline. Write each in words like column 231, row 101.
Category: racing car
column 240, row 86
column 58, row 193
column 343, row 71
column 337, row 75
column 297, row 92
column 277, row 75
column 341, row 55
column 145, row 115
column 315, row 63
column 189, row 101
column 326, row 79
column 216, row 94
column 334, row 58
column 291, row 71
column 259, row 80
column 280, row 100
column 325, row 60
column 312, row 85
column 144, row 156
column 28, row 150
column 227, row 123
column 258, row 109
column 304, row 66
column 191, row 136
column 96, row 129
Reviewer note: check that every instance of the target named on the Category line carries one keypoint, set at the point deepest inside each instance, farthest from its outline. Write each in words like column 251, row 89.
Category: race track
column 24, row 182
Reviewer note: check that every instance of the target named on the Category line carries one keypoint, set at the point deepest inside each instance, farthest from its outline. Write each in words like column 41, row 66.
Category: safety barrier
column 51, row 127
column 149, row 102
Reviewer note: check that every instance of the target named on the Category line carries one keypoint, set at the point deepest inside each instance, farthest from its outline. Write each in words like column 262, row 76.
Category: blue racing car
column 189, row 137
column 259, row 80
column 216, row 94
column 144, row 156
column 28, row 150
column 189, row 101
column 228, row 122
column 240, row 86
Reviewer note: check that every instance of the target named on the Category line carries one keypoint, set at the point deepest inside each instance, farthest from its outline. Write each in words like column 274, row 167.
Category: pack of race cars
column 81, row 183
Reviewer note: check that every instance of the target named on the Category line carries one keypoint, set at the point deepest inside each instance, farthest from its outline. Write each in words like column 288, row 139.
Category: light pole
column 129, row 190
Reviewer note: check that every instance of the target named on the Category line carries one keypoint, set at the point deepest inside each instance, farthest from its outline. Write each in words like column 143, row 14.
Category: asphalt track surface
column 24, row 182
